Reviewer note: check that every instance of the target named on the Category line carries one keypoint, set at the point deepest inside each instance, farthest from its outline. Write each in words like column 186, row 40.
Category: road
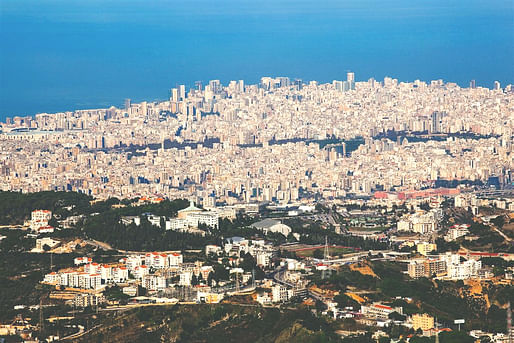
column 76, row 334
column 508, row 239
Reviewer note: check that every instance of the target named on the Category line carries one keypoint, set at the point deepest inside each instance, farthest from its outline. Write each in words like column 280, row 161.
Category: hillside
column 212, row 323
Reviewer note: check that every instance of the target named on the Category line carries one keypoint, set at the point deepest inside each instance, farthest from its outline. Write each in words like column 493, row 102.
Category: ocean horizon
column 62, row 56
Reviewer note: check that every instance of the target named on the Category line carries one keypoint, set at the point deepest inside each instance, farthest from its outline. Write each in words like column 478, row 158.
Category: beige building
column 427, row 268
column 422, row 321
column 425, row 248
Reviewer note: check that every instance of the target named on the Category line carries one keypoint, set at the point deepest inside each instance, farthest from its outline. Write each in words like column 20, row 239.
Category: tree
column 345, row 301
column 46, row 247
column 194, row 280
column 396, row 316
column 425, row 206
column 318, row 253
column 498, row 221
column 210, row 278
column 220, row 272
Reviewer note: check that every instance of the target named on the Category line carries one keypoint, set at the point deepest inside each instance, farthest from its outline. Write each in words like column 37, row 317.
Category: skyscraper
column 435, row 126
column 497, row 86
column 241, row 86
column 215, row 86
column 298, row 84
column 283, row 81
column 350, row 77
column 127, row 104
column 174, row 95
column 182, row 92
column 338, row 85
column 472, row 84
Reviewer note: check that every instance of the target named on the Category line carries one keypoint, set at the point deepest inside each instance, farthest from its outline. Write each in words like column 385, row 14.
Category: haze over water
column 62, row 55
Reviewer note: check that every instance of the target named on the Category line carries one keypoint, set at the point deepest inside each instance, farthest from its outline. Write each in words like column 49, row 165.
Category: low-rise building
column 272, row 225
column 46, row 241
column 209, row 297
column 380, row 311
column 457, row 231
column 86, row 299
column 426, row 248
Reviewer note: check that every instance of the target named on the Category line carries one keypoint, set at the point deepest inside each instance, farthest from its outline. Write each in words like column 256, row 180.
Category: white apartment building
column 380, row 311
column 420, row 222
column 185, row 278
column 41, row 215
column 175, row 259
column 279, row 293
column 156, row 260
column 458, row 270
column 194, row 216
column 154, row 282
column 82, row 260
column 39, row 219
column 457, row 231
column 140, row 271
column 133, row 261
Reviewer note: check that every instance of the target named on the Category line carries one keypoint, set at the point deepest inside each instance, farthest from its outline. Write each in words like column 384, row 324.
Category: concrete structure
column 422, row 321
column 272, row 225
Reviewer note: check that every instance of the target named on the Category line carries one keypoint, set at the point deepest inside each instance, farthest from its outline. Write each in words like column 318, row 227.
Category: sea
column 59, row 55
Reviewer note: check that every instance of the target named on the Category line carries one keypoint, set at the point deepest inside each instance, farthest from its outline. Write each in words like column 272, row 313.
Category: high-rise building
column 215, row 86
column 435, row 126
column 472, row 84
column 144, row 108
column 350, row 77
column 298, row 84
column 241, row 86
column 283, row 81
column 497, row 85
column 182, row 92
column 174, row 96
column 127, row 104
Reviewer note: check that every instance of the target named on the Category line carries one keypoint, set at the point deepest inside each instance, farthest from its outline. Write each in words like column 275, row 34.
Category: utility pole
column 326, row 254
column 436, row 331
column 509, row 323
column 41, row 319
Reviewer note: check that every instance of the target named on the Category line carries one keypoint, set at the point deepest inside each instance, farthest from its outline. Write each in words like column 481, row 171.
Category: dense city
column 376, row 211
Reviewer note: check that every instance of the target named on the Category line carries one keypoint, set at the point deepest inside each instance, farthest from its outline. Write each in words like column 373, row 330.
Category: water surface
column 60, row 55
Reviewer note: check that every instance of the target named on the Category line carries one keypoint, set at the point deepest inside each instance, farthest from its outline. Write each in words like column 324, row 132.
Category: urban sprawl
column 330, row 196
